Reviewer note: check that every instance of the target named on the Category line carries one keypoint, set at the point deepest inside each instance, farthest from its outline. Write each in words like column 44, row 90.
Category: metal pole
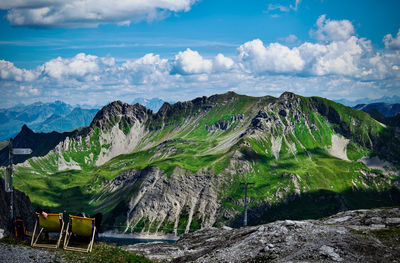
column 10, row 155
column 245, row 203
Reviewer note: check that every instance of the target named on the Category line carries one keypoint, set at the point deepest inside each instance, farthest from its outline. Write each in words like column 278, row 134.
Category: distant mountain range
column 153, row 104
column 43, row 117
column 394, row 99
column 55, row 116
column 386, row 109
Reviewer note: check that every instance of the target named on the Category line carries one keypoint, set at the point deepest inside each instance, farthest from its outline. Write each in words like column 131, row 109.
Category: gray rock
column 330, row 253
column 393, row 221
column 347, row 240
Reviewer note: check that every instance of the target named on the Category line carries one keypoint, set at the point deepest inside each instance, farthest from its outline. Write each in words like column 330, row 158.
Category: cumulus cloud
column 81, row 67
column 9, row 72
column 190, row 62
column 340, row 57
column 342, row 66
column 275, row 58
column 88, row 13
column 148, row 69
column 332, row 30
column 392, row 42
column 222, row 63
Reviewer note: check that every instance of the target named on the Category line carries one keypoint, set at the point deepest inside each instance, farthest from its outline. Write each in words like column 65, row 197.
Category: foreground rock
column 351, row 236
column 22, row 208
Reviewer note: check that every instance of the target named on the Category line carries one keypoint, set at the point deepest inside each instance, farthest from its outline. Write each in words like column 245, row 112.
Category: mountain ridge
column 180, row 169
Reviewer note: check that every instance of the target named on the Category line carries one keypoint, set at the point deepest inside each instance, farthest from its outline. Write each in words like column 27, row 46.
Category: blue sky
column 93, row 52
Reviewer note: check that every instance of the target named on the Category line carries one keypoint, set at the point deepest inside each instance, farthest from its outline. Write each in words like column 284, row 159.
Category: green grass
column 173, row 143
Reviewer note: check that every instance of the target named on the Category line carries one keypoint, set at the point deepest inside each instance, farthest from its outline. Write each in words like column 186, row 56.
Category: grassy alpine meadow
column 288, row 158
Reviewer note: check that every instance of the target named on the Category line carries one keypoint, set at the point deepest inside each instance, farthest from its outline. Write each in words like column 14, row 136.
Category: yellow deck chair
column 54, row 224
column 82, row 227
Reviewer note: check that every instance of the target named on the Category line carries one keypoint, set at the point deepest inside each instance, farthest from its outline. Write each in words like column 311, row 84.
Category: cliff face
column 180, row 169
column 22, row 208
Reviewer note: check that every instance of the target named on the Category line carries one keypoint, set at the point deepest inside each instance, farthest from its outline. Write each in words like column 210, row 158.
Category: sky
column 97, row 51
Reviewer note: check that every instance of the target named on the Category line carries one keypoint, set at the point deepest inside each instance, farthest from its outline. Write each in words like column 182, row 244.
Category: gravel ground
column 13, row 253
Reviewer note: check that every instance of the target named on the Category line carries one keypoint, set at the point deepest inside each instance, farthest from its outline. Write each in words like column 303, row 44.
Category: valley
column 180, row 169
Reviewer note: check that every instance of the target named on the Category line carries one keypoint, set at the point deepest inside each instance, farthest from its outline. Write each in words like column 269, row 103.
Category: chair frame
column 68, row 235
column 35, row 240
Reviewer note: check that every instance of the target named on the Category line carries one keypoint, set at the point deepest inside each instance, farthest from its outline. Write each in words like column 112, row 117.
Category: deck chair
column 53, row 224
column 81, row 227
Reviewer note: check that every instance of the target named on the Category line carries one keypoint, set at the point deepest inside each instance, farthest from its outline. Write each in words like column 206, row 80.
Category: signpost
column 17, row 151
column 9, row 184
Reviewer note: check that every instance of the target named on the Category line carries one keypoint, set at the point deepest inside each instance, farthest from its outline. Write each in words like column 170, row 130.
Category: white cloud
column 339, row 57
column 337, row 68
column 26, row 91
column 191, row 62
column 9, row 72
column 222, row 63
column 275, row 58
column 147, row 69
column 291, row 39
column 87, row 13
column 392, row 42
column 283, row 8
column 278, row 7
column 332, row 30
column 81, row 67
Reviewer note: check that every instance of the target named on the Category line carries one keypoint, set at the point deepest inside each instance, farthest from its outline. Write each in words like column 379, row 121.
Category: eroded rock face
column 22, row 208
column 351, row 236
column 192, row 196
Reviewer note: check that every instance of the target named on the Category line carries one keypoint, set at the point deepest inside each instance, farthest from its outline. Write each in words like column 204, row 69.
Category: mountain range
column 43, row 117
column 153, row 104
column 56, row 116
column 181, row 169
column 387, row 109
column 385, row 99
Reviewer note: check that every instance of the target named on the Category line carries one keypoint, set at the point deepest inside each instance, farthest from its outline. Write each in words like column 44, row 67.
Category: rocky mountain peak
column 116, row 111
column 25, row 131
column 288, row 96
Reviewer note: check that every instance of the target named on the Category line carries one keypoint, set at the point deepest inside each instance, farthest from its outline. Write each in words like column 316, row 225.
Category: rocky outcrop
column 351, row 236
column 225, row 124
column 179, row 203
column 22, row 208
column 120, row 113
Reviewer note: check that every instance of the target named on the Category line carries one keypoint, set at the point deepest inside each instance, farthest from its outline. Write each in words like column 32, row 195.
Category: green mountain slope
column 180, row 169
